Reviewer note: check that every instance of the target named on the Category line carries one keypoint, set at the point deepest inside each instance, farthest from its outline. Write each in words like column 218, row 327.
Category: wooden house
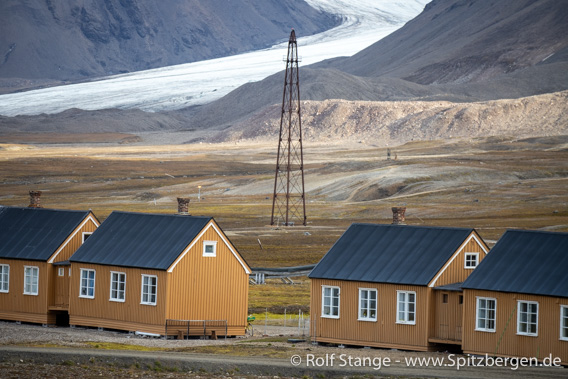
column 36, row 244
column 393, row 286
column 160, row 274
column 516, row 301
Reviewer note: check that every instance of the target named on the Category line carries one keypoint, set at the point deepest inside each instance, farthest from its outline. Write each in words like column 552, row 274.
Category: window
column 461, row 300
column 117, row 286
column 527, row 318
column 86, row 235
column 471, row 260
column 149, row 289
column 31, row 280
column 564, row 322
column 406, row 307
column 4, row 278
column 485, row 314
column 445, row 298
column 87, row 284
column 330, row 302
column 61, row 271
column 209, row 248
column 367, row 304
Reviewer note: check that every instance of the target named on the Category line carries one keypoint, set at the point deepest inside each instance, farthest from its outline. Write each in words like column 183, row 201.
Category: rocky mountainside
column 63, row 40
column 390, row 123
column 455, row 50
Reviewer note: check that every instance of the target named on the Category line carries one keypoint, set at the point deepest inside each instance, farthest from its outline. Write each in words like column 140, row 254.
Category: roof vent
column 398, row 217
column 35, row 199
column 183, row 205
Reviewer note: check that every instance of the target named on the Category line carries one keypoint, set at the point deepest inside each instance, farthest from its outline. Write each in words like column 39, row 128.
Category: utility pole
column 289, row 201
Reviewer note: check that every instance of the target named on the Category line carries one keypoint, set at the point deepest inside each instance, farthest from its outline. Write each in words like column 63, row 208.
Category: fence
column 289, row 323
column 186, row 328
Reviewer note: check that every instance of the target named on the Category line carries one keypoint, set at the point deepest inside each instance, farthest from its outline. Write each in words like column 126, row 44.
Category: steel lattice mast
column 289, row 201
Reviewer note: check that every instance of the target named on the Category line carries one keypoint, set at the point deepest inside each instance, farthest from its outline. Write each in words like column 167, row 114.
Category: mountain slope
column 466, row 41
column 60, row 40
column 455, row 50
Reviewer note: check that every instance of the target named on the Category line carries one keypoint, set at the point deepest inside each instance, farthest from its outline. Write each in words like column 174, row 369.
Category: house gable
column 90, row 223
column 454, row 271
column 221, row 235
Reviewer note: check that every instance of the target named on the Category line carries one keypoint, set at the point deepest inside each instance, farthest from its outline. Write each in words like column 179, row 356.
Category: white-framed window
column 367, row 304
column 485, row 314
column 61, row 271
column 4, row 278
column 330, row 302
column 149, row 289
column 117, row 286
column 87, row 288
column 471, row 260
column 209, row 248
column 85, row 236
column 527, row 318
column 31, row 280
column 406, row 307
column 564, row 322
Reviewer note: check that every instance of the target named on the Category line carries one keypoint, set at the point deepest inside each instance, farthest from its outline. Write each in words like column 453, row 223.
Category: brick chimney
column 398, row 215
column 35, row 199
column 183, row 205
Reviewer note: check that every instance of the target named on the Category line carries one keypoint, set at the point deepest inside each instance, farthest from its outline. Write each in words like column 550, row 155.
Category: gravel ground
column 18, row 357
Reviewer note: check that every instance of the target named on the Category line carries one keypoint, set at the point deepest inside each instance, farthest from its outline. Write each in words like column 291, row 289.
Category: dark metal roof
column 529, row 262
column 398, row 254
column 141, row 240
column 35, row 233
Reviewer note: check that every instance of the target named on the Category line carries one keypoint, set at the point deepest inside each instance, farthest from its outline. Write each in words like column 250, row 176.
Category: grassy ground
column 489, row 184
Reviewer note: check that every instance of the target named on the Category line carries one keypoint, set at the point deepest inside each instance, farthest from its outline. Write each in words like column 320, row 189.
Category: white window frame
column 4, row 278
column 564, row 322
column 148, row 294
column 365, row 304
column 527, row 322
column 87, row 235
column 85, row 283
column 61, row 271
column 487, row 319
column 117, row 290
column 466, row 261
column 405, row 311
column 31, row 287
column 209, row 243
column 329, row 312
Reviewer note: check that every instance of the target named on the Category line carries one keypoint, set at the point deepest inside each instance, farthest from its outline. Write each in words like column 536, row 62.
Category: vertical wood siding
column 456, row 272
column 70, row 246
column 448, row 316
column 384, row 332
column 90, row 312
column 505, row 341
column 16, row 306
column 209, row 288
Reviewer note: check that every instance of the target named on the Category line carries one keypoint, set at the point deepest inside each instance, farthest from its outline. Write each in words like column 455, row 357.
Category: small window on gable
column 210, row 248
column 471, row 260
column 86, row 235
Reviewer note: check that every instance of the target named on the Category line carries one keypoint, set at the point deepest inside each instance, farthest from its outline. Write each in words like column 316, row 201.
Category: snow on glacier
column 363, row 23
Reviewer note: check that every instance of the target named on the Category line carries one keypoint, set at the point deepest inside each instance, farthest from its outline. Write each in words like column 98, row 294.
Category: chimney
column 183, row 205
column 398, row 216
column 35, row 199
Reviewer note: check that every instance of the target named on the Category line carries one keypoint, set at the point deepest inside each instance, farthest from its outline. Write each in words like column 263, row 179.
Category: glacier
column 364, row 22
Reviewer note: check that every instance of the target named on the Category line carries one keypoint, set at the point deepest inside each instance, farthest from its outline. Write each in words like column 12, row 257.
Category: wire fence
column 297, row 323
